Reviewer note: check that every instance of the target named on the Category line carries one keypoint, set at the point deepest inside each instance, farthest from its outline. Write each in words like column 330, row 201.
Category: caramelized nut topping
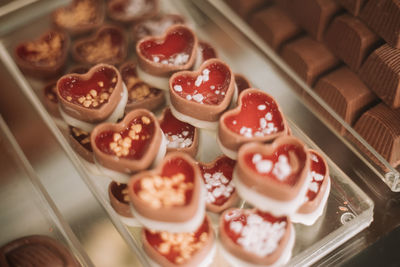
column 46, row 51
column 101, row 50
column 83, row 13
column 121, row 146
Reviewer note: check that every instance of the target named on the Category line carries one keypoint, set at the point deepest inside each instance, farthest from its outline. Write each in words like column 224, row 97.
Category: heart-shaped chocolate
column 180, row 249
column 255, row 237
column 93, row 96
column 155, row 26
column 132, row 10
column 44, row 57
column 140, row 94
column 119, row 199
column 80, row 142
column 130, row 145
column 181, row 136
column 79, row 17
column 257, row 117
column 217, row 177
column 107, row 45
column 171, row 52
column 242, row 83
column 203, row 94
column 273, row 177
column 170, row 197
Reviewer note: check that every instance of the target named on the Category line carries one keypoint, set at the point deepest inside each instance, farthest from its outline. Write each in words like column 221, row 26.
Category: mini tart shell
column 204, row 112
column 239, row 252
column 196, row 259
column 51, row 106
column 193, row 148
column 38, row 240
column 120, row 207
column 92, row 115
column 80, row 29
column 93, row 38
column 244, row 82
column 148, row 103
column 132, row 19
column 168, row 214
column 165, row 70
column 311, row 206
column 43, row 71
column 124, row 165
column 234, row 141
column 82, row 151
column 267, row 187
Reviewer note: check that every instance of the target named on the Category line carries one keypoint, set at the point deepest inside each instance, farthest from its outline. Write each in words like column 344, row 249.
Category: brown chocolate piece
column 131, row 11
column 308, row 58
column 313, row 16
column 346, row 94
column 380, row 127
column 352, row 6
column 274, row 25
column 108, row 45
column 50, row 98
column 81, row 16
column 242, row 83
column 36, row 250
column 381, row 73
column 119, row 199
column 140, row 94
column 350, row 40
column 245, row 8
column 383, row 16
column 80, row 142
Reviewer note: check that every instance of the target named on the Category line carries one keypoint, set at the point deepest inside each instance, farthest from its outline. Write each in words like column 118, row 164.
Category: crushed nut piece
column 146, row 120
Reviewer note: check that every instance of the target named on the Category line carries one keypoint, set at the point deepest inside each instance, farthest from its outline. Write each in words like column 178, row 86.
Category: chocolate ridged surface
column 350, row 40
column 274, row 25
column 352, row 6
column 245, row 8
column 345, row 93
column 380, row 127
column 308, row 58
column 383, row 16
column 313, row 16
column 381, row 73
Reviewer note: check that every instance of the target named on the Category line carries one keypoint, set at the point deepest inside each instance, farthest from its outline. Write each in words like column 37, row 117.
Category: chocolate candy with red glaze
column 205, row 51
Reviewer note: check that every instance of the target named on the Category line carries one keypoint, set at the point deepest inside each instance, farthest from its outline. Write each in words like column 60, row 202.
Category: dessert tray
column 348, row 210
column 369, row 156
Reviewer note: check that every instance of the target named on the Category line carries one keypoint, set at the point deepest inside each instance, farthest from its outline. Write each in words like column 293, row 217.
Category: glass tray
column 25, row 206
column 348, row 211
column 391, row 177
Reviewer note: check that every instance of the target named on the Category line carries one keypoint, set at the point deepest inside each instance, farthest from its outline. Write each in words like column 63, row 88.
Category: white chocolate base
column 283, row 259
column 311, row 218
column 208, row 125
column 227, row 152
column 267, row 204
column 190, row 225
column 87, row 126
column 153, row 80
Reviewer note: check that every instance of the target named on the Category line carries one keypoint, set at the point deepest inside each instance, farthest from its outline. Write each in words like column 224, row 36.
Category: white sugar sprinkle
column 198, row 98
column 261, row 107
column 217, row 185
column 156, row 59
column 217, row 92
column 234, row 122
column 256, row 158
column 282, row 168
column 264, row 166
column 198, row 81
column 189, row 97
column 268, row 116
column 313, row 187
column 212, row 87
column 178, row 88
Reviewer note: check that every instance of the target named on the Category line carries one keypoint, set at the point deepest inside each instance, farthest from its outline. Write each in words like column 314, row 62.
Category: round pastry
column 170, row 197
column 318, row 191
column 36, row 250
column 181, row 136
column 159, row 57
column 96, row 96
column 200, row 97
column 119, row 200
column 273, row 177
column 217, row 177
column 167, row 249
column 253, row 238
column 130, row 146
column 131, row 11
column 257, row 118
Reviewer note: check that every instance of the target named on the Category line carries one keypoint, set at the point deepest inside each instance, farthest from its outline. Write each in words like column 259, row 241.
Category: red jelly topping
column 137, row 89
column 82, row 137
column 207, row 51
column 174, row 246
column 241, row 83
column 259, row 116
column 242, row 217
column 118, row 191
column 44, row 52
column 317, row 171
column 175, row 49
column 91, row 93
column 130, row 143
column 179, row 134
column 50, row 92
column 209, row 87
column 218, row 180
column 280, row 166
